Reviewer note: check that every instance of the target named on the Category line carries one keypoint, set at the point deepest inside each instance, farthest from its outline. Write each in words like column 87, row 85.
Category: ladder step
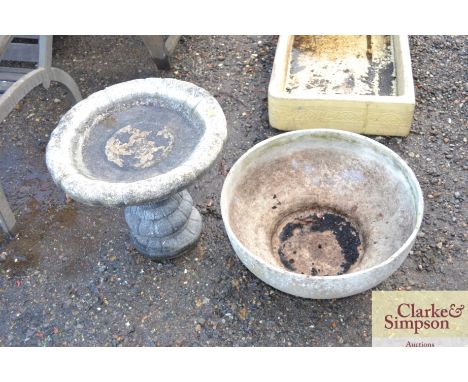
column 21, row 52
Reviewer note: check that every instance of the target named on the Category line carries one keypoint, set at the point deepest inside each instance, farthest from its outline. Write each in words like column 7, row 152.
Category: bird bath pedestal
column 140, row 144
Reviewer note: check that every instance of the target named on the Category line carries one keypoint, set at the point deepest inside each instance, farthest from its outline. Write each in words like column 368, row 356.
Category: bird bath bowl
column 321, row 213
column 140, row 144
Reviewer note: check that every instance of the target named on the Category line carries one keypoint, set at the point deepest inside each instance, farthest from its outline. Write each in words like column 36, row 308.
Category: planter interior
column 360, row 64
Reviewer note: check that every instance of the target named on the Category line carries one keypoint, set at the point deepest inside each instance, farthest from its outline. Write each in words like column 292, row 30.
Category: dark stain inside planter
column 317, row 243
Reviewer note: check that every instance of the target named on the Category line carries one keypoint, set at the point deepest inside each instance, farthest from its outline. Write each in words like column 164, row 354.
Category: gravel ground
column 70, row 276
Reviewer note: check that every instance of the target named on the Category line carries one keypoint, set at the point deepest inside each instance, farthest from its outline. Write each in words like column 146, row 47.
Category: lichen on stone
column 132, row 147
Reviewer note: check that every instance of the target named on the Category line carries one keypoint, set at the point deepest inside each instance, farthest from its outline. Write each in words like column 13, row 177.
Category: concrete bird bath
column 140, row 144
column 321, row 213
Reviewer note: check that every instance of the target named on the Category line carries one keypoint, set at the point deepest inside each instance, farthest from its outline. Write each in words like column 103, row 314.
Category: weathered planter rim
column 309, row 279
column 60, row 150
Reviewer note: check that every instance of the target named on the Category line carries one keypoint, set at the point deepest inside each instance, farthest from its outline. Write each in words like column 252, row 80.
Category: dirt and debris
column 352, row 64
column 78, row 282
column 317, row 243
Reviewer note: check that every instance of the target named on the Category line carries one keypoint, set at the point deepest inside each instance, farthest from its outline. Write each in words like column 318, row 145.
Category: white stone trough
column 361, row 83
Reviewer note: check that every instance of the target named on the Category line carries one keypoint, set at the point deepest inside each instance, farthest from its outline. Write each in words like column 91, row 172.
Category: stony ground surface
column 70, row 276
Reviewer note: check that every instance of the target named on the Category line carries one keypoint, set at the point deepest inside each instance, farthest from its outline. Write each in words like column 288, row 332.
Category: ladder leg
column 7, row 219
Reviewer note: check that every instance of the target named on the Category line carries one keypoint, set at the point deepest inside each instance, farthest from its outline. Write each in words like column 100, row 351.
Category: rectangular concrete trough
column 362, row 84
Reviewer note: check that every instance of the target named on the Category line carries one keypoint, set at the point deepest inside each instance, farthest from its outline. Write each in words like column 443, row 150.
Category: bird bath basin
column 321, row 213
column 140, row 144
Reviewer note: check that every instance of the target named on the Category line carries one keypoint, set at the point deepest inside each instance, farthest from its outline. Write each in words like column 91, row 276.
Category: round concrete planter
column 321, row 213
